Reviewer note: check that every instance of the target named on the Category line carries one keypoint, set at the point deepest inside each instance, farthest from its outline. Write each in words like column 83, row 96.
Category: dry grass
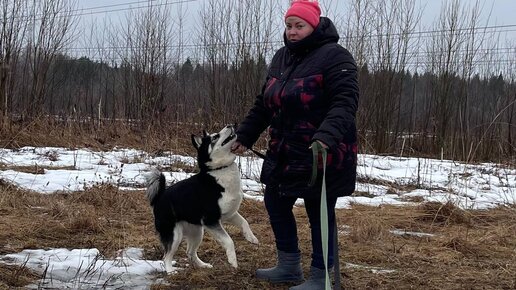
column 469, row 249
column 463, row 254
column 15, row 276
column 33, row 169
column 69, row 133
column 438, row 213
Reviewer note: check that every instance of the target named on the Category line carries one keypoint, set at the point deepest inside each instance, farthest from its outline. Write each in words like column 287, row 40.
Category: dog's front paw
column 233, row 264
column 251, row 238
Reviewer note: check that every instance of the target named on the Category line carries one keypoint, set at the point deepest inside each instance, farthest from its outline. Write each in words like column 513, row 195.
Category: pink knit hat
column 309, row 11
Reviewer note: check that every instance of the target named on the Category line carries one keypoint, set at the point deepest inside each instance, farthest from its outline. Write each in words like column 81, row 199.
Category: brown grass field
column 469, row 249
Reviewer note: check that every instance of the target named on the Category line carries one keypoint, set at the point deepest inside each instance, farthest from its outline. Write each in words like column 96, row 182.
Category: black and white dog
column 203, row 201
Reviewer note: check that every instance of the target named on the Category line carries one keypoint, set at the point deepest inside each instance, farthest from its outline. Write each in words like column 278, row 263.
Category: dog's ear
column 196, row 141
column 204, row 133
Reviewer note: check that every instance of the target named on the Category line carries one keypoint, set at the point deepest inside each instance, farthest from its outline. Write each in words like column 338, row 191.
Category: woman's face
column 297, row 29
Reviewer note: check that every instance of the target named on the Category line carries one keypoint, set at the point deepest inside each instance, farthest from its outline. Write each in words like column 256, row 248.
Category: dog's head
column 214, row 150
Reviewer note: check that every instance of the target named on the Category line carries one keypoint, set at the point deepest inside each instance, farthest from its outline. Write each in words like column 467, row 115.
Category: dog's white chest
column 229, row 179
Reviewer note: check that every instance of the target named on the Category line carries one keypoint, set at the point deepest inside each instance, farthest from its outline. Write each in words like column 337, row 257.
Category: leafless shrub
column 444, row 214
column 15, row 276
column 84, row 220
column 14, row 27
column 51, row 25
column 367, row 228
column 463, row 246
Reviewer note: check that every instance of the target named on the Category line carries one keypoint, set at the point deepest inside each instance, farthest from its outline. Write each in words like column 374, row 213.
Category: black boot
column 288, row 269
column 316, row 281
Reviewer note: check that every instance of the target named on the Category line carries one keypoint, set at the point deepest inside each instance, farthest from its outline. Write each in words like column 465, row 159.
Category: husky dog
column 203, row 201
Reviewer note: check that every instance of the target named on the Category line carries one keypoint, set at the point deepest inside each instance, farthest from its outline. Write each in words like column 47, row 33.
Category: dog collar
column 222, row 167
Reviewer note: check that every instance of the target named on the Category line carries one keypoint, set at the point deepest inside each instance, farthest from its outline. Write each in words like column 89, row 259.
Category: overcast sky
column 503, row 10
column 494, row 13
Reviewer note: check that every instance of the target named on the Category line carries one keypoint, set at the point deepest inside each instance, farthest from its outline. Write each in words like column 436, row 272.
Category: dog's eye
column 215, row 137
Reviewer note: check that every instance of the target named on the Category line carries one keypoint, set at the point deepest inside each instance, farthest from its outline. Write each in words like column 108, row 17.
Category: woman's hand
column 238, row 148
column 321, row 143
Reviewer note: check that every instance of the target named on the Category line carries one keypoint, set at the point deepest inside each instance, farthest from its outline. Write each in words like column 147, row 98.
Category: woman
column 310, row 95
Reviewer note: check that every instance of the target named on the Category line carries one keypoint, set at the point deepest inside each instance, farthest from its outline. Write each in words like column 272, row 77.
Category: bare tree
column 146, row 59
column 216, row 42
column 236, row 37
column 255, row 42
column 453, row 57
column 51, row 29
column 380, row 34
column 358, row 30
column 13, row 22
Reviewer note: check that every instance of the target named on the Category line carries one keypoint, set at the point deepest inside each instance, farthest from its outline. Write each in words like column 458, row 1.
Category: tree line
column 447, row 90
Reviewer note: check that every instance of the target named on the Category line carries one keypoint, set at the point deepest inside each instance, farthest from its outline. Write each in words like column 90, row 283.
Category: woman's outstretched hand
column 238, row 148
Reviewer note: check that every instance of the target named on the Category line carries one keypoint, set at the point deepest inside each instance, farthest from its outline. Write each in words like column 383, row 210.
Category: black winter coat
column 311, row 93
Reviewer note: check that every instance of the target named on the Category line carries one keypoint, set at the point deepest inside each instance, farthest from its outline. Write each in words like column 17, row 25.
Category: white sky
column 494, row 12
column 94, row 40
column 502, row 13
column 475, row 186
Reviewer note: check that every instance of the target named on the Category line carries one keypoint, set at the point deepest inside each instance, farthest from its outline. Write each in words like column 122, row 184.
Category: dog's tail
column 155, row 185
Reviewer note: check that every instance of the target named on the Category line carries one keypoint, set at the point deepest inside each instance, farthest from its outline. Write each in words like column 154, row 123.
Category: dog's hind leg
column 193, row 235
column 171, row 247
column 220, row 234
column 243, row 225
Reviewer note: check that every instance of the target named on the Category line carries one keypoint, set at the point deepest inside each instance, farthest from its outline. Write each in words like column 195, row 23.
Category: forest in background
column 446, row 91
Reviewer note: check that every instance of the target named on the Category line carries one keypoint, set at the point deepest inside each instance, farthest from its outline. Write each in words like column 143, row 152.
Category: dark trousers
column 284, row 226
